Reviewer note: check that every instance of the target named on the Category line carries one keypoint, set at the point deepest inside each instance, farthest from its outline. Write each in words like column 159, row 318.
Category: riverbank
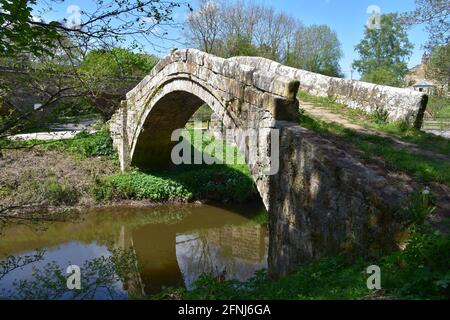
column 83, row 172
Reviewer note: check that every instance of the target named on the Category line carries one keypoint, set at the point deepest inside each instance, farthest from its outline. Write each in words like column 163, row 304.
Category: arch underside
column 153, row 146
column 171, row 108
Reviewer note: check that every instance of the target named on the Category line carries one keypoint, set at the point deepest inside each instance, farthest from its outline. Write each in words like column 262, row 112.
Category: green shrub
column 420, row 205
column 91, row 145
column 218, row 182
column 59, row 193
column 422, row 270
column 380, row 116
column 140, row 186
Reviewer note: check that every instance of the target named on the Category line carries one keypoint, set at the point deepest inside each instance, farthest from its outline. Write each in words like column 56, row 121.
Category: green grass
column 377, row 121
column 219, row 182
column 215, row 182
column 82, row 146
column 419, row 272
column 439, row 106
column 422, row 168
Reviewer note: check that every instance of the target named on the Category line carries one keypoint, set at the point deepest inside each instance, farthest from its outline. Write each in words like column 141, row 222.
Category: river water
column 125, row 252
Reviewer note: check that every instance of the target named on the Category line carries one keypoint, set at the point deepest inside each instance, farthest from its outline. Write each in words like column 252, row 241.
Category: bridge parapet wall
column 399, row 104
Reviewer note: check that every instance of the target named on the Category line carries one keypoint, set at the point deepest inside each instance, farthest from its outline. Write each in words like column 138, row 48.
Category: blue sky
column 346, row 17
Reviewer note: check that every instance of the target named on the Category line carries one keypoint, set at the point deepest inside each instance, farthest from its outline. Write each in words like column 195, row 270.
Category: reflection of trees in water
column 230, row 252
column 12, row 263
column 101, row 278
column 132, row 281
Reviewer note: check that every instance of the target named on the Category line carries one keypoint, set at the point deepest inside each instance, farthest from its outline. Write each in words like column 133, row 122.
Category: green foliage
column 317, row 49
column 215, row 182
column 380, row 116
column 85, row 144
column 21, row 36
column 438, row 68
column 386, row 75
column 438, row 106
column 420, row 205
column 218, row 182
column 383, row 52
column 91, row 145
column 400, row 129
column 116, row 63
column 421, row 271
column 141, row 186
column 57, row 192
column 239, row 46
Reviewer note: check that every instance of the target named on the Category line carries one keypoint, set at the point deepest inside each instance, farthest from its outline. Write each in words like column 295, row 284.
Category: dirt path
column 326, row 115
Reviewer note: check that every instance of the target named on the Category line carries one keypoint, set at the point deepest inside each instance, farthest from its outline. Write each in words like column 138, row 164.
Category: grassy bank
column 439, row 106
column 423, row 168
column 215, row 182
column 84, row 171
column 378, row 121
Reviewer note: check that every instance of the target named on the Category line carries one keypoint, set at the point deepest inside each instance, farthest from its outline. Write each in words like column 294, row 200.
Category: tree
column 317, row 49
column 435, row 15
column 438, row 68
column 204, row 26
column 239, row 46
column 243, row 28
column 110, row 74
column 55, row 49
column 383, row 52
column 273, row 32
column 110, row 22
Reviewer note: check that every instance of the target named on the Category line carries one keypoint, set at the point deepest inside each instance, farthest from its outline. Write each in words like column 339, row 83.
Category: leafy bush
column 218, row 182
column 91, row 145
column 140, row 186
column 59, row 193
column 420, row 205
column 422, row 270
column 380, row 116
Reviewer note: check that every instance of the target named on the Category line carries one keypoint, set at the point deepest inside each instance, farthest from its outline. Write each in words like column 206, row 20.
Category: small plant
column 92, row 145
column 380, row 116
column 420, row 205
column 59, row 193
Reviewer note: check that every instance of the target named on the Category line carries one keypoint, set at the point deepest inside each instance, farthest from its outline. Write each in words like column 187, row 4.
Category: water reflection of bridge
column 166, row 257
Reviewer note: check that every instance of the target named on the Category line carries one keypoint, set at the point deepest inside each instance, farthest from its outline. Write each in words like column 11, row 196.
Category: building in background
column 416, row 78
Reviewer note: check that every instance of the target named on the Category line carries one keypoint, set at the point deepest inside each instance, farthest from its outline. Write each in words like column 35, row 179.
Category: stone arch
column 242, row 97
column 159, row 120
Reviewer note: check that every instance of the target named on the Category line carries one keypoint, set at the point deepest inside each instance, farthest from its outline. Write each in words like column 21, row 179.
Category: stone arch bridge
column 320, row 198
